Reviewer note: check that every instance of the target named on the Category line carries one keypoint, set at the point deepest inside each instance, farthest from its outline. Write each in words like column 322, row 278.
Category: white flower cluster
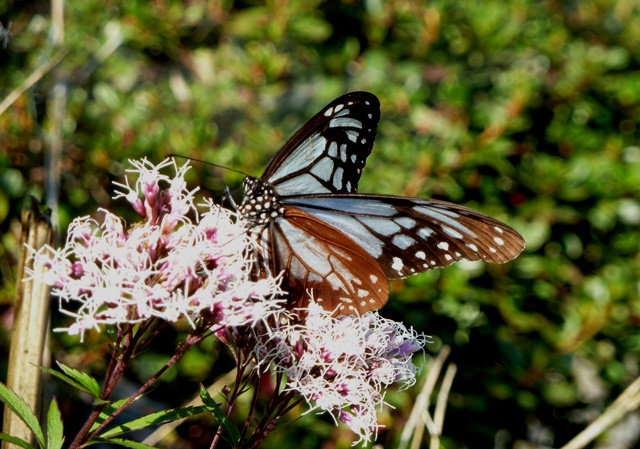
column 168, row 266
column 343, row 365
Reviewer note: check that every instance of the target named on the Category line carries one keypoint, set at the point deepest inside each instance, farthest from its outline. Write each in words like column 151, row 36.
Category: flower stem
column 191, row 340
column 116, row 370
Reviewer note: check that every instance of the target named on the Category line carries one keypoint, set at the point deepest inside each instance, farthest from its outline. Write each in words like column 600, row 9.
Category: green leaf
column 154, row 419
column 16, row 441
column 107, row 412
column 24, row 412
column 88, row 382
column 55, row 429
column 71, row 381
column 112, row 332
column 120, row 442
column 230, row 434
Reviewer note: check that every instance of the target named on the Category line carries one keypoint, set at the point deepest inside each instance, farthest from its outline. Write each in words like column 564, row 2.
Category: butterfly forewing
column 328, row 153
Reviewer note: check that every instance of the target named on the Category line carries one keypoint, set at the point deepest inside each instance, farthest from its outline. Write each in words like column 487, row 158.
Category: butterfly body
column 307, row 221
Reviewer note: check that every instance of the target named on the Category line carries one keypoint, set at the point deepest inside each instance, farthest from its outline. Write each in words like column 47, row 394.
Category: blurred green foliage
column 526, row 110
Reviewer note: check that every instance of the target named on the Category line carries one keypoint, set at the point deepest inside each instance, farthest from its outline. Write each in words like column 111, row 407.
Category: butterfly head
column 260, row 204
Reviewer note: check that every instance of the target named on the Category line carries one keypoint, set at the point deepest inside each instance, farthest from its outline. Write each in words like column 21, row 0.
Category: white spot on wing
column 443, row 246
column 498, row 229
column 498, row 240
column 343, row 152
column 397, row 264
column 333, row 149
column 421, row 255
column 405, row 222
column 337, row 178
column 343, row 122
column 328, row 112
column 402, row 241
column 352, row 135
column 339, row 107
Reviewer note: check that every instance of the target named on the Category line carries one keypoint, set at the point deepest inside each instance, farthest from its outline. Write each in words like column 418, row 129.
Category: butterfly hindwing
column 412, row 235
column 328, row 153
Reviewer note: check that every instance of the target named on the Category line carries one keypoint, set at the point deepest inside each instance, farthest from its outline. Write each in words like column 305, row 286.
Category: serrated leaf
column 120, row 442
column 154, row 419
column 24, row 412
column 89, row 383
column 107, row 412
column 230, row 433
column 206, row 397
column 55, row 429
column 66, row 379
column 16, row 441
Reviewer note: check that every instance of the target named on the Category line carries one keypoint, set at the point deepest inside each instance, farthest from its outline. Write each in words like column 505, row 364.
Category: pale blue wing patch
column 305, row 155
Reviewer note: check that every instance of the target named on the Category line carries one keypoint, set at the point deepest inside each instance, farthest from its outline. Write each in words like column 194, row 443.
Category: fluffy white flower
column 342, row 365
column 179, row 262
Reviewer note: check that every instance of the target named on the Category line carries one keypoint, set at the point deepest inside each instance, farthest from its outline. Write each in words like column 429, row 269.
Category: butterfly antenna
column 206, row 163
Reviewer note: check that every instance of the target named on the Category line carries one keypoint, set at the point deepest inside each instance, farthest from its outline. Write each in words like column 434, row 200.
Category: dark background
column 526, row 110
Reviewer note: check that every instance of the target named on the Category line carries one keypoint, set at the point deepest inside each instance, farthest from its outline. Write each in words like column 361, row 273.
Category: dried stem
column 35, row 76
column 627, row 402
column 420, row 417
column 441, row 406
column 29, row 336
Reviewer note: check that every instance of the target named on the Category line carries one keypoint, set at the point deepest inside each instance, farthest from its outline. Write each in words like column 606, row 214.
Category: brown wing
column 319, row 259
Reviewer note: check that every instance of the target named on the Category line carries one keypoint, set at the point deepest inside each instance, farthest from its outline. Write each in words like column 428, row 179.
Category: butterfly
column 307, row 221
